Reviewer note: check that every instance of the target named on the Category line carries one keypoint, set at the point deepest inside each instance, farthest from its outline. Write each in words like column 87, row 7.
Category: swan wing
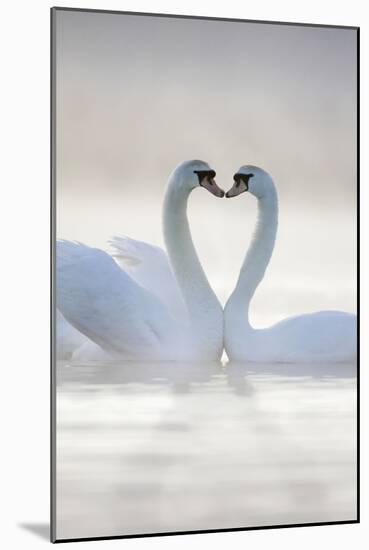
column 103, row 302
column 149, row 266
column 68, row 339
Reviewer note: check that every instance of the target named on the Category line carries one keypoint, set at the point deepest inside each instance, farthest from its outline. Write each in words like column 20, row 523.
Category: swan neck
column 257, row 257
column 204, row 309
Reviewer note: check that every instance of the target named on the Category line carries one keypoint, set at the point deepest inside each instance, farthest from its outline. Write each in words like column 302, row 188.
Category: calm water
column 172, row 447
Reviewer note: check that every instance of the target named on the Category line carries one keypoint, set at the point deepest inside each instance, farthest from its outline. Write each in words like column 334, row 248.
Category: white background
column 24, row 123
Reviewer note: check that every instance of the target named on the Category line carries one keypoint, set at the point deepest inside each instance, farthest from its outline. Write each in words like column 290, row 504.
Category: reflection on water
column 145, row 448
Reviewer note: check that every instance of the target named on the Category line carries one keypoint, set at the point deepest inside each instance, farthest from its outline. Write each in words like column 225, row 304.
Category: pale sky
column 138, row 94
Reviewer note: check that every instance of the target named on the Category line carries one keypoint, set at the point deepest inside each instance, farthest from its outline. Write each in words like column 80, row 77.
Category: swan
column 328, row 336
column 127, row 320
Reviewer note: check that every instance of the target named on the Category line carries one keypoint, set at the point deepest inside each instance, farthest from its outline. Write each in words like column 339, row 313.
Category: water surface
column 144, row 448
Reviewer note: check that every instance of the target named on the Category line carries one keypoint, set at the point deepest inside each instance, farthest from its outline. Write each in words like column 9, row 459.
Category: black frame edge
column 209, row 531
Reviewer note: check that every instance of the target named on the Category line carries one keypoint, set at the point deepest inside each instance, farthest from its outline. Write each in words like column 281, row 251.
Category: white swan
column 328, row 336
column 125, row 319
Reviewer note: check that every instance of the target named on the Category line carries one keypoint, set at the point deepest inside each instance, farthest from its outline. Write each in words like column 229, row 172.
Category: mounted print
column 204, row 239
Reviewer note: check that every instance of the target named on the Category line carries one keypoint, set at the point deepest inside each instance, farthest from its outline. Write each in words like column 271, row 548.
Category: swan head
column 253, row 179
column 197, row 173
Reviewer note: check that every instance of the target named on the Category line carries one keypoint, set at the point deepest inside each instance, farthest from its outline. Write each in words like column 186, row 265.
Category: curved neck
column 203, row 306
column 257, row 258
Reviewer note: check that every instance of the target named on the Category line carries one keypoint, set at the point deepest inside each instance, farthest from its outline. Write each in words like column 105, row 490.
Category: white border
column 24, row 166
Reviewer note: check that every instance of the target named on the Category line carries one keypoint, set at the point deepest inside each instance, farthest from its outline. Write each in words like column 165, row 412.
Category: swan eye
column 242, row 177
column 238, row 178
column 201, row 174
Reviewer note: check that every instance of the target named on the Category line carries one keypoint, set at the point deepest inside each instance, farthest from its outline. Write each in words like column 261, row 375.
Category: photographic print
column 204, row 323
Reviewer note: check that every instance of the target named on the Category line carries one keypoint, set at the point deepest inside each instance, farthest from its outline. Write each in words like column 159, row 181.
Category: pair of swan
column 140, row 303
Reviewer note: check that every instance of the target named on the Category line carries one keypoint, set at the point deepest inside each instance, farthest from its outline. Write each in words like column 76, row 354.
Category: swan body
column 149, row 266
column 127, row 320
column 68, row 339
column 324, row 336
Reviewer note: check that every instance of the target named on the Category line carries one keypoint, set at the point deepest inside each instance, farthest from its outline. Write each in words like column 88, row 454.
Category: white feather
column 149, row 266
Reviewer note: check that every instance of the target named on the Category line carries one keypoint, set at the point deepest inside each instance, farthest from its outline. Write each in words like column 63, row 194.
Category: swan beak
column 210, row 184
column 237, row 188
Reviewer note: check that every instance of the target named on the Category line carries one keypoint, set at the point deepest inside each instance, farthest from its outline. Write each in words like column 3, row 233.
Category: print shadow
column 42, row 530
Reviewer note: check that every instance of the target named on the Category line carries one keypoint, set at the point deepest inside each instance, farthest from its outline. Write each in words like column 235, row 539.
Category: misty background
column 136, row 95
